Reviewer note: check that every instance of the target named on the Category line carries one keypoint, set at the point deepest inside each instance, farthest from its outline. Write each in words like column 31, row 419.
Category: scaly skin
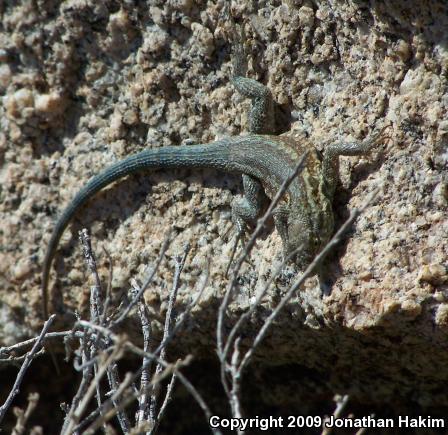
column 269, row 159
column 303, row 218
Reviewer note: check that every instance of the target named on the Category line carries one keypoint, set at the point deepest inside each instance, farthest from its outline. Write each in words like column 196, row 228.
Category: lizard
column 304, row 216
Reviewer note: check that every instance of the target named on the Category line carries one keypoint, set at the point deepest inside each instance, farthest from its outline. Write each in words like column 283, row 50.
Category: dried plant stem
column 96, row 316
column 341, row 403
column 7, row 351
column 26, row 364
column 75, row 416
column 169, row 319
column 146, row 283
column 23, row 416
column 95, row 300
column 109, row 409
column 231, row 373
column 245, row 316
column 187, row 384
column 230, row 289
column 145, row 321
column 308, row 272
column 250, row 243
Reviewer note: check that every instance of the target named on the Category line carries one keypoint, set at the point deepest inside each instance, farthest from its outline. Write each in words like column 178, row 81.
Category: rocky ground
column 85, row 83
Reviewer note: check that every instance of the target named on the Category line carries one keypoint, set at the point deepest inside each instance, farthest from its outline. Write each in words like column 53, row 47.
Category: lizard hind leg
column 261, row 115
column 246, row 210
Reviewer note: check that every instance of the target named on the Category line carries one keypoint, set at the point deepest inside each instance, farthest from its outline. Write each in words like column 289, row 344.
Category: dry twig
column 341, row 403
column 23, row 416
column 26, row 363
column 232, row 285
column 150, row 276
column 238, row 363
column 169, row 319
column 308, row 272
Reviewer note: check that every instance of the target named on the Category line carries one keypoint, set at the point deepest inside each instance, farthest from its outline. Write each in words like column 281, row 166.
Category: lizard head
column 303, row 242
column 308, row 233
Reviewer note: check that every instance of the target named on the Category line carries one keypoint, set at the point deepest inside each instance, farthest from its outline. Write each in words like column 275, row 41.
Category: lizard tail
column 213, row 155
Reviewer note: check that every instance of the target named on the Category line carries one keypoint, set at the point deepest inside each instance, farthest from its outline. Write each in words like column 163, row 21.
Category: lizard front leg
column 330, row 166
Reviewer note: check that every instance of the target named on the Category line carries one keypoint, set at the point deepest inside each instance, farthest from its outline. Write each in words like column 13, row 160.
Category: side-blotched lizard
column 304, row 216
